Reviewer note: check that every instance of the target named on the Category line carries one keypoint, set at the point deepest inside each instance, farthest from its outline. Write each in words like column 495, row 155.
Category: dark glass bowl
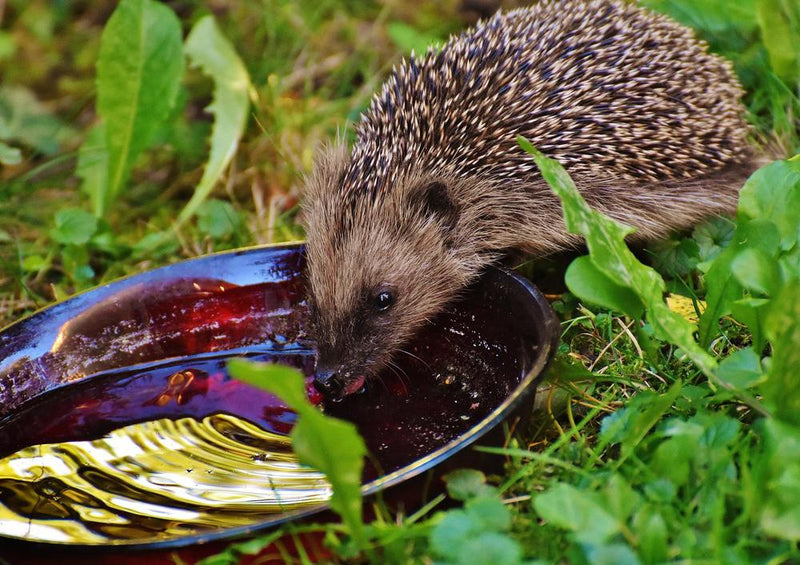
column 152, row 347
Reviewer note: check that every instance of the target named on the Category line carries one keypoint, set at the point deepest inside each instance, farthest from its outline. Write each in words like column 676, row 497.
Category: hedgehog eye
column 383, row 300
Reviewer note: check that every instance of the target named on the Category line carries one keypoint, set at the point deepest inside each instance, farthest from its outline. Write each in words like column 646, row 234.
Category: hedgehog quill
column 646, row 120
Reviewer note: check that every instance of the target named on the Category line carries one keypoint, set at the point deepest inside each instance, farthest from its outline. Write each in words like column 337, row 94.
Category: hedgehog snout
column 335, row 384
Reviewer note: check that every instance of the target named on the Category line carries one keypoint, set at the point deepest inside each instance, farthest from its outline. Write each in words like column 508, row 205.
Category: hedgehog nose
column 329, row 383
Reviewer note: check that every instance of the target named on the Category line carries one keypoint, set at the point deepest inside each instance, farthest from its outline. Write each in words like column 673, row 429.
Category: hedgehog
column 436, row 188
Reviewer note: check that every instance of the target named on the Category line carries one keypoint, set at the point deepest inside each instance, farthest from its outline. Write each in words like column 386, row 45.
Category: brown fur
column 646, row 121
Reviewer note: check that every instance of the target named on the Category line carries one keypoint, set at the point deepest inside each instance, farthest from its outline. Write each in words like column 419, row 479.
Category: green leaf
column 779, row 21
column 207, row 48
column 92, row 168
column 139, row 69
column 773, row 193
column 490, row 513
column 409, row 39
column 653, row 535
column 741, row 369
column 622, row 499
column 330, row 445
column 218, row 219
column 24, row 119
column 280, row 380
column 756, row 271
column 34, row 263
column 464, row 484
column 609, row 254
column 73, row 226
column 9, row 155
column 488, row 548
column 722, row 286
column 777, row 476
column 782, row 388
column 630, row 425
column 448, row 535
column 612, row 554
column 752, row 312
column 578, row 511
column 586, row 281
column 712, row 236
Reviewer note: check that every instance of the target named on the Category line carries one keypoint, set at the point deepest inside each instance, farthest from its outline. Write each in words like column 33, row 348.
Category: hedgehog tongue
column 355, row 385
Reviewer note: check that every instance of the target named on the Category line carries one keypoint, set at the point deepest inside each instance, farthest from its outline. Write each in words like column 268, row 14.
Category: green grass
column 636, row 455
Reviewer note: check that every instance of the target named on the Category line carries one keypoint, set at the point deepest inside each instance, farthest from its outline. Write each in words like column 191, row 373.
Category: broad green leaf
column 73, row 226
column 741, row 369
column 330, row 445
column 217, row 218
column 586, row 281
column 712, row 236
column 280, row 380
column 409, row 39
column 578, row 511
column 773, row 193
column 779, row 21
column 756, row 271
column 621, row 499
column 9, row 155
column 611, row 554
column 777, row 475
column 711, row 16
column 451, row 531
column 208, row 49
column 139, row 69
column 92, row 167
column 722, row 286
column 488, row 548
column 333, row 447
column 489, row 512
column 464, row 484
column 782, row 388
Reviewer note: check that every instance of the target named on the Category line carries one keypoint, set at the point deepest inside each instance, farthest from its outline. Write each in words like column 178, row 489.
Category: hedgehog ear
column 438, row 203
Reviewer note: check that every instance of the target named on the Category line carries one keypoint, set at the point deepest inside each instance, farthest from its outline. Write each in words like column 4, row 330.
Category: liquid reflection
column 154, row 480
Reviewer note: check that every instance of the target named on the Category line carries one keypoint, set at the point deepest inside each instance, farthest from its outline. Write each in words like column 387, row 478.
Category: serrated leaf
column 139, row 69
column 207, row 48
column 73, row 226
column 605, row 239
column 330, row 445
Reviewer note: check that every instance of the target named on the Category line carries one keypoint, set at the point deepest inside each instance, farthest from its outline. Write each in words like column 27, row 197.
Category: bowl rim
column 547, row 346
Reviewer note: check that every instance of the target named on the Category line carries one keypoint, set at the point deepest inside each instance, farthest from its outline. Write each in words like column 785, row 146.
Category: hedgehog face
column 376, row 272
